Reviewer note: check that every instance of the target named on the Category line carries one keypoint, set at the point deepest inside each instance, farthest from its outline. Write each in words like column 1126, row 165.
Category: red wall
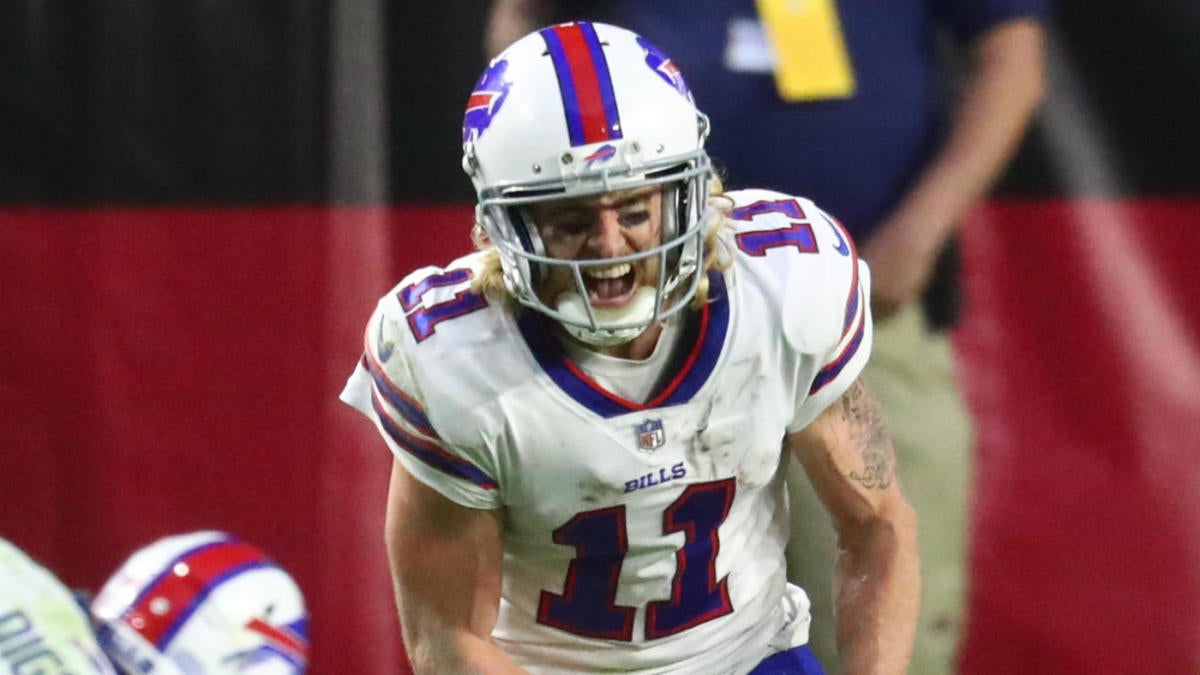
column 1082, row 357
column 164, row 370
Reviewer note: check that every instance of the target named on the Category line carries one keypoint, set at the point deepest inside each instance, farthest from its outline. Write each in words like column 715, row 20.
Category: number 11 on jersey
column 587, row 606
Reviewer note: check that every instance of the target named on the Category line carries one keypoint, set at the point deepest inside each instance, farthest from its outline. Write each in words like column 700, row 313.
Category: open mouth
column 610, row 286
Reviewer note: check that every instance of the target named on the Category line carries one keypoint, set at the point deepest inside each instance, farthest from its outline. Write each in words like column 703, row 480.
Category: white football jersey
column 639, row 537
column 43, row 628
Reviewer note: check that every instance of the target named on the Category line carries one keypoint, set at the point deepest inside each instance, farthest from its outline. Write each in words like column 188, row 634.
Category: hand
column 901, row 255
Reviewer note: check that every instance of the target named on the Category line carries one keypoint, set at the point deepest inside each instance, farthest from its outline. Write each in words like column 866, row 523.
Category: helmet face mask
column 202, row 604
column 583, row 110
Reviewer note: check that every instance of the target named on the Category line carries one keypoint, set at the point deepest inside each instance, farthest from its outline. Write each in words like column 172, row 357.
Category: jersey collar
column 685, row 374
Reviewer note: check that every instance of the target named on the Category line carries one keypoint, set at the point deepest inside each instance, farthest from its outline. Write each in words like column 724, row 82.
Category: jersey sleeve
column 827, row 316
column 35, row 602
column 386, row 387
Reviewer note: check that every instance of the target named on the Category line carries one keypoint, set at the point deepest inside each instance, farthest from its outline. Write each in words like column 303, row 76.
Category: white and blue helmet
column 577, row 110
column 204, row 603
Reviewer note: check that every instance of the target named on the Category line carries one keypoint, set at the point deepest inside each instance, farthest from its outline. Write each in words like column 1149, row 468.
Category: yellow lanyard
column 811, row 58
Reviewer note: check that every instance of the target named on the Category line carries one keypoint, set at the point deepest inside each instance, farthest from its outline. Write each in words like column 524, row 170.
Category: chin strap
column 633, row 318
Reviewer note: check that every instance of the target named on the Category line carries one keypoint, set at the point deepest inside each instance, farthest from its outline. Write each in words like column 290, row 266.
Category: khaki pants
column 912, row 373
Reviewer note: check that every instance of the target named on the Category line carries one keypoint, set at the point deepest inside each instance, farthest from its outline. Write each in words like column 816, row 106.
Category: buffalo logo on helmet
column 602, row 154
column 288, row 642
column 485, row 101
column 664, row 67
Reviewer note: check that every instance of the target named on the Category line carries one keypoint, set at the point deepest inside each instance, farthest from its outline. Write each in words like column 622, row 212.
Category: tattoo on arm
column 864, row 416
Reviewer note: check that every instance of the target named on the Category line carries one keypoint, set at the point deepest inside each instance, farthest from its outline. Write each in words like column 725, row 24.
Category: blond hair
column 489, row 277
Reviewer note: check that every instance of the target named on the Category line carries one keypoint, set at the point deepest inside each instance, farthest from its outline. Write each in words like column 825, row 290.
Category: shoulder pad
column 424, row 304
column 809, row 254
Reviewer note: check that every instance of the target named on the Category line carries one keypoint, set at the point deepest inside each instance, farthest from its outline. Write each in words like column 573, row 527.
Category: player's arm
column 1003, row 89
column 848, row 456
column 446, row 563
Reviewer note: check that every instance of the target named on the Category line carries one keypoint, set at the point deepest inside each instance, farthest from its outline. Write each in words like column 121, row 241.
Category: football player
column 591, row 416
column 44, row 630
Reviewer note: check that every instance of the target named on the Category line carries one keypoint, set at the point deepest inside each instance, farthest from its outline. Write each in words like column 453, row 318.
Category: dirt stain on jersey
column 592, row 490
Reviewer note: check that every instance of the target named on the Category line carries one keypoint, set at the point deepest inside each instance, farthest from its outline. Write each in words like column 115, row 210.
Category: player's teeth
column 611, row 272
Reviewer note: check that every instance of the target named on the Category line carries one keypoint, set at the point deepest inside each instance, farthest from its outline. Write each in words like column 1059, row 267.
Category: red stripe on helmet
column 586, row 81
column 173, row 594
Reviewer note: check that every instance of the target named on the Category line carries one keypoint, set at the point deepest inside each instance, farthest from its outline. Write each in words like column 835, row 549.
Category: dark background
column 225, row 102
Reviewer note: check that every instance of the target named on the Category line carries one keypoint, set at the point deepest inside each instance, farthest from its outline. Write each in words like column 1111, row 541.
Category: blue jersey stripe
column 831, row 371
column 432, row 454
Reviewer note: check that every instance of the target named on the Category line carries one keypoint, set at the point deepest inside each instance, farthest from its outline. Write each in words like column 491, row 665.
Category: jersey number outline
column 798, row 234
column 587, row 606
column 423, row 320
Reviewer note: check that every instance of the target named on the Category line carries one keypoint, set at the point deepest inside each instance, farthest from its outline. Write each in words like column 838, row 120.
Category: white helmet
column 43, row 628
column 582, row 109
column 202, row 604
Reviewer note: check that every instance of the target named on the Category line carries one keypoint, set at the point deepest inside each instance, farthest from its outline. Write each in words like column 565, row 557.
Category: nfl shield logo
column 650, row 435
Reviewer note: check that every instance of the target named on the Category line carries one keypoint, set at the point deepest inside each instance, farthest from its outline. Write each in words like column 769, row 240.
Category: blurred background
column 201, row 202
